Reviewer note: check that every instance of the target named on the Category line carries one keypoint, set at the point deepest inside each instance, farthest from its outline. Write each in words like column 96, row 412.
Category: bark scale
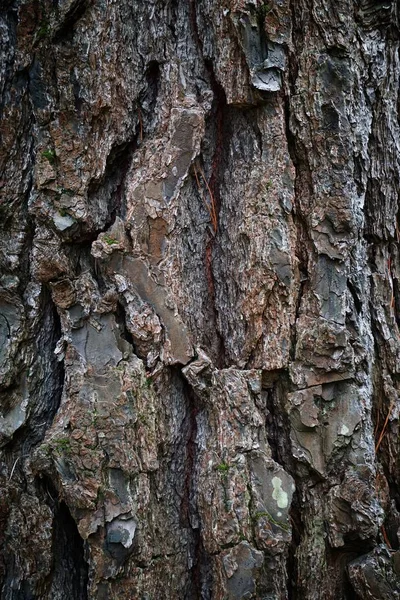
column 200, row 299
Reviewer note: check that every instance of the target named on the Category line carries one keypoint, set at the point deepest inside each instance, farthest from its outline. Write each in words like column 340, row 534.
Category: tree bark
column 199, row 299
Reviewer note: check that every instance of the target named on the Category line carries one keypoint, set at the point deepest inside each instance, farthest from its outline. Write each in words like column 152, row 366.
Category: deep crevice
column 66, row 29
column 396, row 300
column 200, row 572
column 355, row 296
column 109, row 189
column 148, row 98
column 10, row 19
column 275, row 385
column 213, row 159
column 280, row 427
column 297, row 533
column 120, row 318
column 302, row 180
column 277, row 429
column 70, row 572
column 48, row 390
column 380, row 409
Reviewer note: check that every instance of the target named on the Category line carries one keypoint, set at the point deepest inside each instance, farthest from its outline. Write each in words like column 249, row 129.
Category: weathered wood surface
column 199, row 299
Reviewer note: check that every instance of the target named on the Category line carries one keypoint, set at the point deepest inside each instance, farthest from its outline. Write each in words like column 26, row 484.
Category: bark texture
column 199, row 299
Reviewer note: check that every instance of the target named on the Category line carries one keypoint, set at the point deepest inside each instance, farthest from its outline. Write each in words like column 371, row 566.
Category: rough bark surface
column 199, row 299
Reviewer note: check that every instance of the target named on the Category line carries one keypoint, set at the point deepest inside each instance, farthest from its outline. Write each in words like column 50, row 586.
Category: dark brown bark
column 199, row 299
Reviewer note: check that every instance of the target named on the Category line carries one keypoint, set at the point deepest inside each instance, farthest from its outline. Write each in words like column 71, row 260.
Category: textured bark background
column 200, row 299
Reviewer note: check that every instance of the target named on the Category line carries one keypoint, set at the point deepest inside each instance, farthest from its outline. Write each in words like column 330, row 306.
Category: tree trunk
column 200, row 299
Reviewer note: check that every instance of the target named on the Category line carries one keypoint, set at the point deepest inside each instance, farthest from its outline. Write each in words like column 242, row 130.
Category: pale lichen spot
column 344, row 430
column 279, row 494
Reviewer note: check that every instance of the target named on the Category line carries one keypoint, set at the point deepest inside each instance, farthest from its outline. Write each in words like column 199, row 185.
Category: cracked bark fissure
column 199, row 299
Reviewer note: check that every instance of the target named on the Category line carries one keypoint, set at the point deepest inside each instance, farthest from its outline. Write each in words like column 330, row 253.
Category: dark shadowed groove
column 45, row 400
column 395, row 281
column 148, row 98
column 214, row 131
column 279, row 427
column 49, row 391
column 302, row 180
column 380, row 409
column 10, row 16
column 120, row 319
column 75, row 12
column 200, row 572
column 275, row 385
column 49, row 334
column 110, row 187
column 70, row 575
column 380, row 242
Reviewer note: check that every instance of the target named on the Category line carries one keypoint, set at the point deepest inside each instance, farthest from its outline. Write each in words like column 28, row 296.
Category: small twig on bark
column 385, row 537
column 140, row 125
column 199, row 187
column 13, row 469
column 378, row 443
column 212, row 209
column 210, row 206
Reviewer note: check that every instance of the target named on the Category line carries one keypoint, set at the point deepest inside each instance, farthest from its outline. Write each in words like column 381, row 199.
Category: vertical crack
column 45, row 393
column 275, row 384
column 200, row 569
column 107, row 193
column 70, row 575
column 215, row 129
